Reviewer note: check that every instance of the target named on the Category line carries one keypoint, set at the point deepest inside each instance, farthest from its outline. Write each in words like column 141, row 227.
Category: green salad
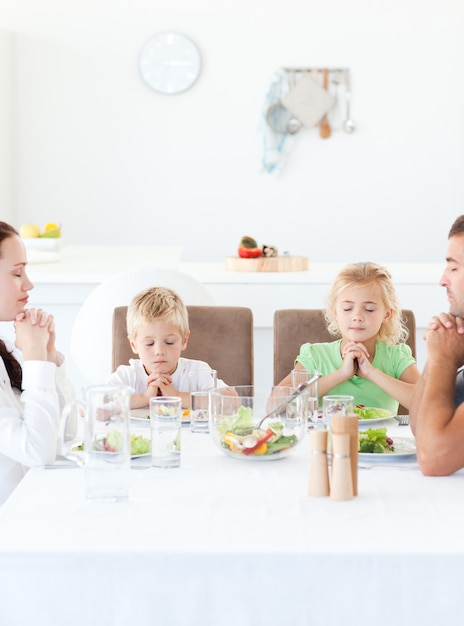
column 370, row 413
column 239, row 435
column 113, row 442
column 375, row 441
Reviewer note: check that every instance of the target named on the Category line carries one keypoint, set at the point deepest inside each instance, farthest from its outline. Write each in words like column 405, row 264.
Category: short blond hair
column 157, row 304
column 394, row 330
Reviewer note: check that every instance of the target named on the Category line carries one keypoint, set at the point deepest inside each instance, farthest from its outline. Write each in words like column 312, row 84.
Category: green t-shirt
column 326, row 358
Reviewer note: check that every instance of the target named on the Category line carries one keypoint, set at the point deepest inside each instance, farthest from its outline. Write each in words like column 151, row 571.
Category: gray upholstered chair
column 293, row 327
column 220, row 335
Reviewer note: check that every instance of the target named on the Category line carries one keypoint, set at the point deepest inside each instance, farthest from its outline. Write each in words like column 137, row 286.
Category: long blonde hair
column 394, row 330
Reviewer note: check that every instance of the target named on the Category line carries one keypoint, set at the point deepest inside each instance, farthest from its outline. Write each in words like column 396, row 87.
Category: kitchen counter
column 93, row 264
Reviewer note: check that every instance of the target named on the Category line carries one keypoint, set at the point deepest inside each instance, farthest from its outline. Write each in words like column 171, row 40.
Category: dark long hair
column 13, row 368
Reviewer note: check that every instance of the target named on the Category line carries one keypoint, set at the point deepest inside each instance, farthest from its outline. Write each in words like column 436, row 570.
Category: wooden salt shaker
column 342, row 424
column 319, row 467
column 342, row 482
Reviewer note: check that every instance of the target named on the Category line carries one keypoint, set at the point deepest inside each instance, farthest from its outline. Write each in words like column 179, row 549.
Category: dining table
column 222, row 541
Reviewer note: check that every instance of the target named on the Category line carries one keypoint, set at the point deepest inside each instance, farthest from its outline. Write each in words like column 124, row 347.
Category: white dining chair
column 91, row 336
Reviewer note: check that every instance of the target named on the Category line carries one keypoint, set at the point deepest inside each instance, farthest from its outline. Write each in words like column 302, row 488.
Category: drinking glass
column 302, row 376
column 201, row 382
column 166, row 423
column 336, row 405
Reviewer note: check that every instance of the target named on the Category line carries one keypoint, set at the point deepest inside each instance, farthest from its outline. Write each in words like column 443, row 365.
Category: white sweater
column 29, row 421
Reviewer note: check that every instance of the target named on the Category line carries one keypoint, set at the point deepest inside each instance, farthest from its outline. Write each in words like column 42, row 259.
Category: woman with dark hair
column 33, row 381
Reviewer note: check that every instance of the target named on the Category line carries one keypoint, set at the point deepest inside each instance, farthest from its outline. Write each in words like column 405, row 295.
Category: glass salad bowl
column 238, row 427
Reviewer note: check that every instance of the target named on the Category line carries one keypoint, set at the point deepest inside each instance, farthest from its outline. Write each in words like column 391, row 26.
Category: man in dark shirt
column 437, row 409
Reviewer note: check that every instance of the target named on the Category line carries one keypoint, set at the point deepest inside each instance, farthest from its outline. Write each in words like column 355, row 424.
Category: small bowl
column 48, row 244
column 235, row 414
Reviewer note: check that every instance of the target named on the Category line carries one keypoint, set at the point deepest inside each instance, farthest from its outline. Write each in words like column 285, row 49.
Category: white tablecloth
column 221, row 542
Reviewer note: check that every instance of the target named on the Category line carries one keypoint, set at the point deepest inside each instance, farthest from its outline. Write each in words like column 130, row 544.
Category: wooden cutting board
column 267, row 264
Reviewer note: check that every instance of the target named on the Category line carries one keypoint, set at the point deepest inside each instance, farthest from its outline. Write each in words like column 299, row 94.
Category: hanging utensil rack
column 320, row 70
column 338, row 76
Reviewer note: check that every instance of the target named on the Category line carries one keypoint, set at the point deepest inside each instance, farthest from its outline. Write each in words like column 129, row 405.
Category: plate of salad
column 140, row 446
column 369, row 415
column 376, row 445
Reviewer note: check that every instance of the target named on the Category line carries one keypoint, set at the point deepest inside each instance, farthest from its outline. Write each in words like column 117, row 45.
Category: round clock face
column 170, row 63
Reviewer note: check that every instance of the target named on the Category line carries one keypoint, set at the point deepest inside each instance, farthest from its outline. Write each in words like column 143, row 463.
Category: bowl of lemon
column 46, row 240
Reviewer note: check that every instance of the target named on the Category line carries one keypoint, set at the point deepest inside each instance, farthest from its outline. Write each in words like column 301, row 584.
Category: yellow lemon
column 51, row 226
column 51, row 231
column 29, row 231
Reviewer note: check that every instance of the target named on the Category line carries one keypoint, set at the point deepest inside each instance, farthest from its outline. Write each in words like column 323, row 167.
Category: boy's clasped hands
column 159, row 384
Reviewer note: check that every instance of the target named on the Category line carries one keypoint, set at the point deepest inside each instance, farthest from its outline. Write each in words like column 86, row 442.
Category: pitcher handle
column 71, row 411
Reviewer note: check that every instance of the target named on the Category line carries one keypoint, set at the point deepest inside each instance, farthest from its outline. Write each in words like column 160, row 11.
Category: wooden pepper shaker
column 319, row 467
column 342, row 482
column 342, row 424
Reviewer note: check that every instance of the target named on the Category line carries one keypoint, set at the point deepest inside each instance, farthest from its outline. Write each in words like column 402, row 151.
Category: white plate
column 405, row 448
column 375, row 420
column 144, row 417
column 139, row 418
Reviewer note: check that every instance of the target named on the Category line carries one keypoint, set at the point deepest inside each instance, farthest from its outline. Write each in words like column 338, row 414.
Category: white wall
column 115, row 162
column 6, row 126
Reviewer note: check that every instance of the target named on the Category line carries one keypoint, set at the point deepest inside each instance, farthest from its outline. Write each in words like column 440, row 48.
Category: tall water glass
column 302, row 376
column 166, row 423
column 201, row 382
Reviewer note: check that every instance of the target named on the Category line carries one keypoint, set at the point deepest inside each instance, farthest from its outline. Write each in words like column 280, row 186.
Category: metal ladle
column 348, row 125
column 293, row 124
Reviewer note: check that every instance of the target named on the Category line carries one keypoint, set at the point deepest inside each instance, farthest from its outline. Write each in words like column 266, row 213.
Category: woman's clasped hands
column 35, row 335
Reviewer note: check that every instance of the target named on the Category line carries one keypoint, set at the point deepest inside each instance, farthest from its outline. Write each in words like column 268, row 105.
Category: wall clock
column 170, row 63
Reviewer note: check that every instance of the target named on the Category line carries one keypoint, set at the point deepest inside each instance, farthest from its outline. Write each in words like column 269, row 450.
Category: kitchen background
column 84, row 142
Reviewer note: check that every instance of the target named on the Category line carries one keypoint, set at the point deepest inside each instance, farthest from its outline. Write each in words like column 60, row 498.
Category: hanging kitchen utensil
column 281, row 120
column 348, row 124
column 308, row 101
column 324, row 127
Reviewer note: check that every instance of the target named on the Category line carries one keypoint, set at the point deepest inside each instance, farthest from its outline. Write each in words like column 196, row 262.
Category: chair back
column 294, row 327
column 220, row 335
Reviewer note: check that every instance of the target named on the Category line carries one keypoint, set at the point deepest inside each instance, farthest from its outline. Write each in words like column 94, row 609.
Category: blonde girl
column 369, row 360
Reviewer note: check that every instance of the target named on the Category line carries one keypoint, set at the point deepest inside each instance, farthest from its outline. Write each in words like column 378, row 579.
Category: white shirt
column 135, row 376
column 29, row 421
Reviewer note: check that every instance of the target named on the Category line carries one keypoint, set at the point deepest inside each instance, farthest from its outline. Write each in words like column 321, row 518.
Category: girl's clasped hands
column 355, row 360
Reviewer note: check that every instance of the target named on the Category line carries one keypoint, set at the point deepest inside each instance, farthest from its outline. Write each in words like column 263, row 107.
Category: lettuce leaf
column 375, row 441
column 242, row 421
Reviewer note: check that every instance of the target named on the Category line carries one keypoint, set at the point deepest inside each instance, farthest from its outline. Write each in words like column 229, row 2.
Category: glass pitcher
column 103, row 444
